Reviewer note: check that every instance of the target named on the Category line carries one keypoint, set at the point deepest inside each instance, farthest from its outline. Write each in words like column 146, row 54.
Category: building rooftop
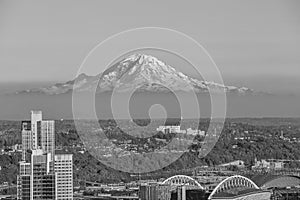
column 237, row 192
column 276, row 181
column 243, row 193
column 61, row 151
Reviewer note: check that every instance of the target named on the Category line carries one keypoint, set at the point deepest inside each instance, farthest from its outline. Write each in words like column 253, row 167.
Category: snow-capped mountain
column 142, row 73
column 81, row 83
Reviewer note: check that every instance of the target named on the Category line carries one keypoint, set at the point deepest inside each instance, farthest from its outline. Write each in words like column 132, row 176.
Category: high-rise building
column 38, row 134
column 23, row 187
column 64, row 175
column 46, row 136
column 155, row 192
column 37, row 178
column 26, row 138
column 25, row 168
column 43, row 175
column 26, row 135
column 36, row 116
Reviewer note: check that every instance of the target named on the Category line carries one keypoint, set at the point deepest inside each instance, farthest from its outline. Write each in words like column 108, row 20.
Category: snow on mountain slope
column 142, row 73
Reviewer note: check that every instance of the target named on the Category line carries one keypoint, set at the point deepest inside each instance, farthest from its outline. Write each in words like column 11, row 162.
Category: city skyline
column 149, row 100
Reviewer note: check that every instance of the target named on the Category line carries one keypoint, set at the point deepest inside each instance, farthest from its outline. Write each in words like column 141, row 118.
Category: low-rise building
column 169, row 129
column 237, row 163
column 268, row 165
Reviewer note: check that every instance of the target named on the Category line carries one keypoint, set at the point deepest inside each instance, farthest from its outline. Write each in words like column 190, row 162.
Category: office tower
column 23, row 187
column 26, row 135
column 36, row 116
column 26, row 138
column 46, row 137
column 42, row 132
column 38, row 178
column 64, row 175
column 25, row 168
column 42, row 176
column 38, row 134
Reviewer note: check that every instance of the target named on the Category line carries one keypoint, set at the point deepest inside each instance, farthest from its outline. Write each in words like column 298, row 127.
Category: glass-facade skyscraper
column 43, row 175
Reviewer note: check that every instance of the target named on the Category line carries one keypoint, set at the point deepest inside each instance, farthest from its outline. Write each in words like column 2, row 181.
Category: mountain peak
column 148, row 64
column 143, row 59
column 140, row 72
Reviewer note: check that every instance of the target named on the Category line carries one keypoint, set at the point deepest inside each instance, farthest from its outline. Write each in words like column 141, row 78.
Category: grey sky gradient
column 254, row 43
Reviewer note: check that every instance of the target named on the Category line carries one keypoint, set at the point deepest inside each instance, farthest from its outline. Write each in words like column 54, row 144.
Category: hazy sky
column 254, row 43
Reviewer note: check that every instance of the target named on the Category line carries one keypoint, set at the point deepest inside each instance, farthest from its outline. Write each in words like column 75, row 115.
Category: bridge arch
column 182, row 180
column 233, row 182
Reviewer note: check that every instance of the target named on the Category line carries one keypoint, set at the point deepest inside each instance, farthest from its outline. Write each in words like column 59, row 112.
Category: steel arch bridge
column 182, row 180
column 233, row 182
